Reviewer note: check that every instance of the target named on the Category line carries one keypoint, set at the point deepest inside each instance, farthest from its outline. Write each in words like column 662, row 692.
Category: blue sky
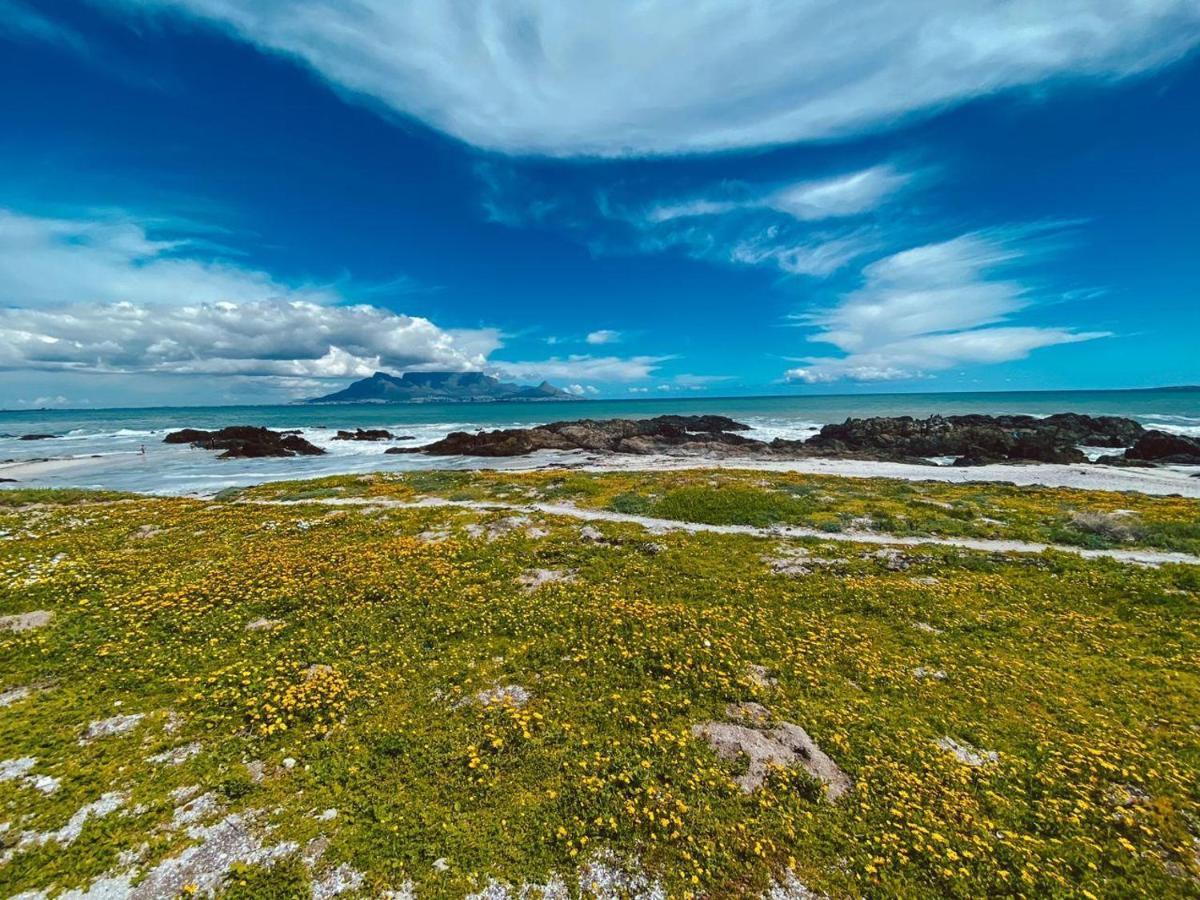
column 205, row 201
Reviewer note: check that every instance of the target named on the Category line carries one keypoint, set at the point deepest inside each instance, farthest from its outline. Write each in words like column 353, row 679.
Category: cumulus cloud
column 580, row 390
column 105, row 295
column 932, row 308
column 661, row 77
column 295, row 339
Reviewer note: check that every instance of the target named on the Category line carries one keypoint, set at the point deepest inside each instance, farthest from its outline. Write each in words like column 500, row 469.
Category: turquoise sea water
column 102, row 447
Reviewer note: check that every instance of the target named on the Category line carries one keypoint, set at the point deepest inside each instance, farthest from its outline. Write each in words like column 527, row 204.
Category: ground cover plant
column 1091, row 519
column 250, row 699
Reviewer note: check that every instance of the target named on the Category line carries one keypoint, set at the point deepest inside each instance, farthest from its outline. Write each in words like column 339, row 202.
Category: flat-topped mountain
column 439, row 386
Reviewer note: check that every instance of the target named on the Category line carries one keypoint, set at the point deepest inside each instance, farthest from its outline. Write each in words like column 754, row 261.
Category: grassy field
column 330, row 700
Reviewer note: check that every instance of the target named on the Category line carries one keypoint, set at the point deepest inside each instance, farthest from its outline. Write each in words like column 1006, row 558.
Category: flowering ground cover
column 223, row 696
column 1090, row 519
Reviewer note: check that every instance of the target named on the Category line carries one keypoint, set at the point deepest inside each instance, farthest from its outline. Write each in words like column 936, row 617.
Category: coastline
column 1163, row 481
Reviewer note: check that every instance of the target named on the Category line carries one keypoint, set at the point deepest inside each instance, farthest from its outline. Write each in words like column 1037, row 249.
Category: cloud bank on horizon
column 633, row 133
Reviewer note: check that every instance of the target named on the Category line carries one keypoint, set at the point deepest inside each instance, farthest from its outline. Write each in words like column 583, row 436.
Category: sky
column 255, row 201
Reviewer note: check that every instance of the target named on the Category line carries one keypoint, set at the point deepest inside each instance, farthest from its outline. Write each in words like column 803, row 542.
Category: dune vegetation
column 279, row 693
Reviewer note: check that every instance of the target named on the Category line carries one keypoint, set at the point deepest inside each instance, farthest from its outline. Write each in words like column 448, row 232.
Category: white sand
column 177, row 471
column 30, row 470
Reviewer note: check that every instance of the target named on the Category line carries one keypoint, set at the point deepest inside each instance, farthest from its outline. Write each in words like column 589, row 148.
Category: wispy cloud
column 603, row 336
column 932, row 308
column 809, row 226
column 849, row 194
column 19, row 20
column 112, row 258
column 579, row 368
column 625, row 77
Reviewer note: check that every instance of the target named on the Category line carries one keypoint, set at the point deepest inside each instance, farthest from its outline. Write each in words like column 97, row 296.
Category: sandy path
column 1138, row 557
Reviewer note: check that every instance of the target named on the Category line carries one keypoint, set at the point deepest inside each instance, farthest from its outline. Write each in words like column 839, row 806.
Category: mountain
column 439, row 386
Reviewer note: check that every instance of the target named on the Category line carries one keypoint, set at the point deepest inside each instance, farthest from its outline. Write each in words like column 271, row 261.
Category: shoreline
column 1161, row 481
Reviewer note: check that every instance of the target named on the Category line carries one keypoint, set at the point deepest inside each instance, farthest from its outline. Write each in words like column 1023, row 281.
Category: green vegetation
column 1091, row 519
column 373, row 631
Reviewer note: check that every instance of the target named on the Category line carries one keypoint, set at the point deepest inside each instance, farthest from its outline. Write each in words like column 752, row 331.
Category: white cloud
column 295, row 339
column 805, row 227
column 932, row 308
column 53, row 261
column 657, row 76
column 851, row 194
column 581, row 368
column 818, row 256
column 604, row 336
column 82, row 296
column 580, row 390
column 844, row 195
column 105, row 296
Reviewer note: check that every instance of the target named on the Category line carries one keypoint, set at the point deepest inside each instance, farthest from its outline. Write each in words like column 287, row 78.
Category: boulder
column 36, row 437
column 1161, row 447
column 245, row 442
column 980, row 439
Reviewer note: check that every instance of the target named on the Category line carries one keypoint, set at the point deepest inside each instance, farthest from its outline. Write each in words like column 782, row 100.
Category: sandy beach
column 133, row 471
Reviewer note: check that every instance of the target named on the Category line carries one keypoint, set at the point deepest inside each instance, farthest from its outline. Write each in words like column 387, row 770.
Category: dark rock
column 364, row 434
column 1161, row 447
column 1124, row 462
column 636, row 436
column 36, row 437
column 973, row 439
column 245, row 442
column 979, row 439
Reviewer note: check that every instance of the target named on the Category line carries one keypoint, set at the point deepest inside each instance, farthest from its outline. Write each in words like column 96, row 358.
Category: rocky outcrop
column 245, row 442
column 36, row 437
column 763, row 746
column 637, row 436
column 979, row 439
column 365, row 434
column 1160, row 447
column 971, row 440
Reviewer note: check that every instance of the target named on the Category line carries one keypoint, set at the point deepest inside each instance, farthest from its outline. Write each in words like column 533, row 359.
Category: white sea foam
column 107, row 453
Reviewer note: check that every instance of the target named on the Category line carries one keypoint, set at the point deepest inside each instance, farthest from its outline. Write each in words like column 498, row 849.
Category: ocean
column 101, row 448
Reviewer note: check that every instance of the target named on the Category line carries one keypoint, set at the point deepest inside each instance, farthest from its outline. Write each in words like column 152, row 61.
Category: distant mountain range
column 431, row 387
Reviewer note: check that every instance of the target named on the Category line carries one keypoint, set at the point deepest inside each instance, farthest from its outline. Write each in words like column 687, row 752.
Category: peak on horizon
column 428, row 386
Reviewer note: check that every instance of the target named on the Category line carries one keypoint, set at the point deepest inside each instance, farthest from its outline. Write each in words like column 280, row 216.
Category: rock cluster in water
column 970, row 440
column 245, row 442
column 979, row 439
